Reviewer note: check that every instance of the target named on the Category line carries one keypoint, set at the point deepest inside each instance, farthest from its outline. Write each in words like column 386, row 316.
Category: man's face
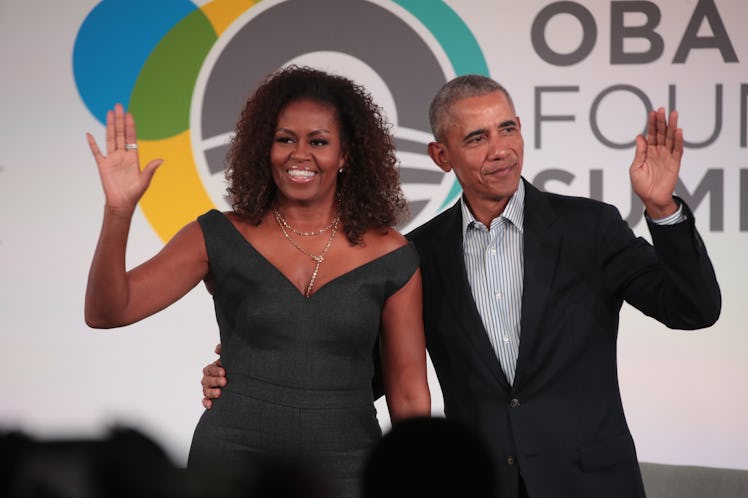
column 483, row 144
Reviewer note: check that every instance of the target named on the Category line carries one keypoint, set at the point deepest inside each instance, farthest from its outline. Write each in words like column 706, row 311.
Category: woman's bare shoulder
column 242, row 224
column 383, row 240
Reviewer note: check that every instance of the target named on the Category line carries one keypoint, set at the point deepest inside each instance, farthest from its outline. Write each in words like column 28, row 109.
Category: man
column 522, row 294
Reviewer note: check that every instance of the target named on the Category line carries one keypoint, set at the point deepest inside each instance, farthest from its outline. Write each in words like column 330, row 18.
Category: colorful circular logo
column 185, row 72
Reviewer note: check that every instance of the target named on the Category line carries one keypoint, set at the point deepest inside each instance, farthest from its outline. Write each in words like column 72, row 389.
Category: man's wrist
column 666, row 216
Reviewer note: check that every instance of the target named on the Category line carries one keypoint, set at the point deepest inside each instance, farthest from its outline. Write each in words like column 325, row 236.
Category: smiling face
column 307, row 152
column 483, row 145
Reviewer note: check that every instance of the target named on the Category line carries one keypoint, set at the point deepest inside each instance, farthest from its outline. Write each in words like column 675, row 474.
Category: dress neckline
column 328, row 283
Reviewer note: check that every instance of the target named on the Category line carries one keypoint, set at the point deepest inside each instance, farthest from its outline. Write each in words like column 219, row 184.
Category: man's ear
column 438, row 154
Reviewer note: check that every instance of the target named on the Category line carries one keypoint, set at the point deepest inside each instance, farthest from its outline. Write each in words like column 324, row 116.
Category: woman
column 305, row 273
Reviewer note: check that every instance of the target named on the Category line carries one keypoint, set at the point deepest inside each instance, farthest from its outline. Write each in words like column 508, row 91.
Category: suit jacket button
column 510, row 460
column 514, row 403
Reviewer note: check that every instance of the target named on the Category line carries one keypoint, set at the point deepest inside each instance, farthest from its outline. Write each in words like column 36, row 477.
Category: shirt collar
column 514, row 211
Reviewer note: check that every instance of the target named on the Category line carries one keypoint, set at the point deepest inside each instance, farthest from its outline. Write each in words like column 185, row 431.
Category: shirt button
column 506, row 339
column 493, row 251
column 510, row 460
column 498, row 295
column 514, row 403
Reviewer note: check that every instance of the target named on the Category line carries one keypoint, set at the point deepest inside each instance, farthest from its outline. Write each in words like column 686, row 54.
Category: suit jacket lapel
column 451, row 261
column 541, row 249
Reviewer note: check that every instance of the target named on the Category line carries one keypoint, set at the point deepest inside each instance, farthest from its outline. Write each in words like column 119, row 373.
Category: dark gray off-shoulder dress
column 299, row 369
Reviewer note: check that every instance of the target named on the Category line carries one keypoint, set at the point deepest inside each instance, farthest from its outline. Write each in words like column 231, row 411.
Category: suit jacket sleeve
column 672, row 281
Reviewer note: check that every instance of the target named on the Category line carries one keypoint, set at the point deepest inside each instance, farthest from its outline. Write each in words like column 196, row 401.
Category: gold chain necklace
column 282, row 221
column 317, row 259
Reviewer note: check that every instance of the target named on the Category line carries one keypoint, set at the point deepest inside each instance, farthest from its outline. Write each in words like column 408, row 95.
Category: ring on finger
column 131, row 146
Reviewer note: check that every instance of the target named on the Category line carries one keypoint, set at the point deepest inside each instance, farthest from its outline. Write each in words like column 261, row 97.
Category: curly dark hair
column 368, row 192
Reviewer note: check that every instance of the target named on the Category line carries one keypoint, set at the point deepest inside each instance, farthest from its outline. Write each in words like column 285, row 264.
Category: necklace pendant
column 318, row 259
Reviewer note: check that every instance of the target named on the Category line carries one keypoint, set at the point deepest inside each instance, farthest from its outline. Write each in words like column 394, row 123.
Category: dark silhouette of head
column 432, row 457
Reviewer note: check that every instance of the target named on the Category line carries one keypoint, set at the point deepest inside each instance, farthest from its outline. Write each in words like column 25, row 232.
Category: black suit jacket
column 562, row 422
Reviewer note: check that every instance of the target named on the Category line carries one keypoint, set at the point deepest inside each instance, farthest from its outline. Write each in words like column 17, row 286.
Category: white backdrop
column 684, row 392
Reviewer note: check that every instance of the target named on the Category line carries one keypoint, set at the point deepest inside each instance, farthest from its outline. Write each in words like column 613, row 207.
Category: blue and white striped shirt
column 495, row 267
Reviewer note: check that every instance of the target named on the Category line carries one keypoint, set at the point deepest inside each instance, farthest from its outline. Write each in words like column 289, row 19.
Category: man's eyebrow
column 474, row 133
column 483, row 131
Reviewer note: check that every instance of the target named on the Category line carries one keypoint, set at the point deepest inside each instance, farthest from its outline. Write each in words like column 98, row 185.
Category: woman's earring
column 341, row 170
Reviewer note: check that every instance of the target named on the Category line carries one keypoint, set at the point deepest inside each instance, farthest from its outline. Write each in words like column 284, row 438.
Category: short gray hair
column 470, row 85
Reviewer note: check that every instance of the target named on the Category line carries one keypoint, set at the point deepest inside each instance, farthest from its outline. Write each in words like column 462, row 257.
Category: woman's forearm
column 107, row 291
column 411, row 403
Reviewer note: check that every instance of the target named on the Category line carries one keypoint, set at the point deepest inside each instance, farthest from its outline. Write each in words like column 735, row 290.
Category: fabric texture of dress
column 299, row 369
